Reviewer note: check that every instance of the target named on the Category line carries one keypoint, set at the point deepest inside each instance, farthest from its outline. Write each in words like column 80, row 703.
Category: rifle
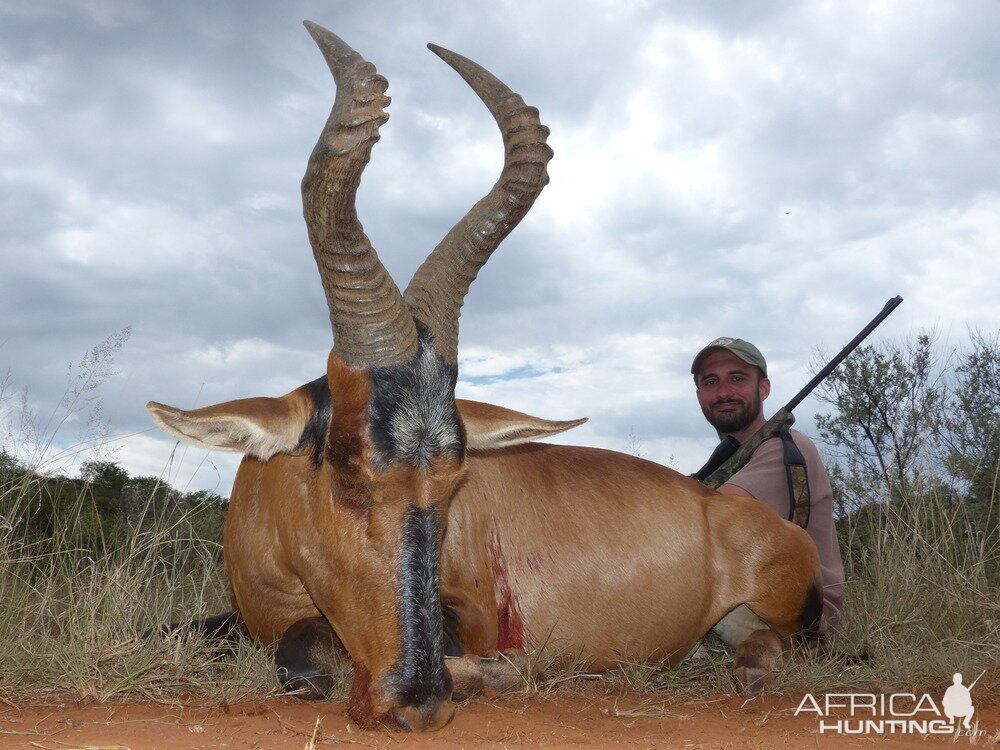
column 730, row 456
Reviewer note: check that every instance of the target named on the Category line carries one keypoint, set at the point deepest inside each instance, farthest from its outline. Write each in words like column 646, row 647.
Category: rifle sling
column 719, row 456
column 798, row 481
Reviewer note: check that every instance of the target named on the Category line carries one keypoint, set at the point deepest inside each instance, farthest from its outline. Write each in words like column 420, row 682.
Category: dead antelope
column 372, row 509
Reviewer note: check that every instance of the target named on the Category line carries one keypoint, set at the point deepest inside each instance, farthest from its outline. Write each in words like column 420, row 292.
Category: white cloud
column 25, row 83
column 192, row 111
column 131, row 238
column 773, row 171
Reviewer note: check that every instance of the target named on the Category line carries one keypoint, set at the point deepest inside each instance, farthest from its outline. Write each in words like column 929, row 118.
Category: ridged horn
column 438, row 288
column 371, row 324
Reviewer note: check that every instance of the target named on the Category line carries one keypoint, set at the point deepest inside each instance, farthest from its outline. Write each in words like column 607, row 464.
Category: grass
column 924, row 599
column 71, row 617
column 80, row 582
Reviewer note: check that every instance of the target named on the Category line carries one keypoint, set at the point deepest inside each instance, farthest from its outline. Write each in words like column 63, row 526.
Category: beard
column 733, row 421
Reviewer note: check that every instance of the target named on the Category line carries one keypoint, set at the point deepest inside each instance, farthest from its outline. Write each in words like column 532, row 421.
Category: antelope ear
column 489, row 426
column 259, row 427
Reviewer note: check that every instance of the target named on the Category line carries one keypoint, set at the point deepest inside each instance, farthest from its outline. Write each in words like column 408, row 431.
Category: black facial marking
column 314, row 433
column 412, row 414
column 420, row 677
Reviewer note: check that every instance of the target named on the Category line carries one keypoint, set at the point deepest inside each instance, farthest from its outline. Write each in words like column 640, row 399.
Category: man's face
column 730, row 391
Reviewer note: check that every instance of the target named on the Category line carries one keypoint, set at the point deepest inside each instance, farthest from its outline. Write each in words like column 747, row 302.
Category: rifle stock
column 782, row 420
column 720, row 455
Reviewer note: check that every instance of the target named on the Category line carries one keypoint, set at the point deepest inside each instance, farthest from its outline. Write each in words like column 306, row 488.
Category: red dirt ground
column 589, row 717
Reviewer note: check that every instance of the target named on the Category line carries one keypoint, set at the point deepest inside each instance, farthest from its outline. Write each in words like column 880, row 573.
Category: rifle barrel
column 821, row 375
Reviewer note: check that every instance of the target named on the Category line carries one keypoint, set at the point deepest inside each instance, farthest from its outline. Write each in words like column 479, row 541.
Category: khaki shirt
column 764, row 478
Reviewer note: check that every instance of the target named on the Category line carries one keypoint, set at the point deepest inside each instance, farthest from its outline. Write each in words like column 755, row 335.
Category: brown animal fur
column 605, row 555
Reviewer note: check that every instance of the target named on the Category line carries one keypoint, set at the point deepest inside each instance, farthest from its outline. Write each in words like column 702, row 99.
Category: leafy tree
column 970, row 428
column 9, row 463
column 886, row 402
column 205, row 499
column 147, row 498
column 105, row 482
column 106, row 473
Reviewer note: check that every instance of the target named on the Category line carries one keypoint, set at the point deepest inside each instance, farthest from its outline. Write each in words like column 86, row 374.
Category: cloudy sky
column 769, row 170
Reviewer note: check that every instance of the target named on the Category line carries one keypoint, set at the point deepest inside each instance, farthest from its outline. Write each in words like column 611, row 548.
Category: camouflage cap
column 742, row 349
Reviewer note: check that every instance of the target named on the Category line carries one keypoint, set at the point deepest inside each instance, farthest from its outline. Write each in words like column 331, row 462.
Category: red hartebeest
column 374, row 510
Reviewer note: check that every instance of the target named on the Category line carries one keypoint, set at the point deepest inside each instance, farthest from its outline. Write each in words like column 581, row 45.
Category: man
column 731, row 379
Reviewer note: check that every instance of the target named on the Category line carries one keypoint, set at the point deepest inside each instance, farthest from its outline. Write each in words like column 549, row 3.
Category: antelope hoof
column 307, row 687
column 466, row 676
column 757, row 657
column 489, row 675
column 305, row 659
column 506, row 671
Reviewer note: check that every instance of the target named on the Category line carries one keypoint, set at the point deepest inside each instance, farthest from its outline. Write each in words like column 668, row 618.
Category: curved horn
column 371, row 325
column 438, row 288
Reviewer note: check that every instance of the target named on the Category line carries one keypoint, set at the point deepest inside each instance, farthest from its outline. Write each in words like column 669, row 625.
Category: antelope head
column 394, row 449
